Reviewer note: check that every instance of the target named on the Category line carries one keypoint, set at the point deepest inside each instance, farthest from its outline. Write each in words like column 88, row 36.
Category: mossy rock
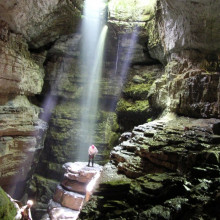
column 132, row 107
column 67, row 110
column 60, row 123
column 136, row 91
column 42, row 188
column 7, row 208
column 131, row 113
column 113, row 140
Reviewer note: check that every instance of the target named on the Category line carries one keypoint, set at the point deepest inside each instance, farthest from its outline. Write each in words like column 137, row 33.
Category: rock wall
column 165, row 169
column 21, row 75
column 190, row 82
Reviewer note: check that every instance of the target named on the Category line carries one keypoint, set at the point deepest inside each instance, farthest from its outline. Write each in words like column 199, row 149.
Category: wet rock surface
column 167, row 169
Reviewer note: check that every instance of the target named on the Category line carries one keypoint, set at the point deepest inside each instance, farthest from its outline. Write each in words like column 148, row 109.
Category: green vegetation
column 128, row 107
column 7, row 208
column 136, row 91
column 132, row 113
column 119, row 182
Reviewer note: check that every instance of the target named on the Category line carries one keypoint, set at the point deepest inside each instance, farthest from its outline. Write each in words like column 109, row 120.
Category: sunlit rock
column 78, row 171
column 72, row 200
column 71, row 195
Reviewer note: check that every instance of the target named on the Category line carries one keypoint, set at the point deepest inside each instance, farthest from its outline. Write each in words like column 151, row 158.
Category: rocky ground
column 165, row 169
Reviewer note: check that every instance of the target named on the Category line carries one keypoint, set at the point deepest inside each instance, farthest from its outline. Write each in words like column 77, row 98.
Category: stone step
column 79, row 171
column 57, row 212
column 74, row 186
column 68, row 199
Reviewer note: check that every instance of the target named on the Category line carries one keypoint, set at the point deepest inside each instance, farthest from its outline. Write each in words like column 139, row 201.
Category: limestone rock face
column 128, row 24
column 20, row 73
column 41, row 22
column 22, row 135
column 133, row 107
column 190, row 25
column 187, row 89
column 22, row 132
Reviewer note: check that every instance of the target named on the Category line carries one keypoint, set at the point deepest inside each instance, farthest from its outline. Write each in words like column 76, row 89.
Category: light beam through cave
column 94, row 33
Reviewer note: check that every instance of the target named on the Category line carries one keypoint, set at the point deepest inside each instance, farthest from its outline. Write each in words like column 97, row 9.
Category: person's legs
column 89, row 161
column 92, row 161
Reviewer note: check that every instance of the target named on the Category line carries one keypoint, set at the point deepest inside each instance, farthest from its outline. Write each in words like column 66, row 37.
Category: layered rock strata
column 22, row 132
column 168, row 168
column 74, row 191
column 187, row 88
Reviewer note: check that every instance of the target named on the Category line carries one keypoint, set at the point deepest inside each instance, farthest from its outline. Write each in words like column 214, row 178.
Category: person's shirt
column 92, row 151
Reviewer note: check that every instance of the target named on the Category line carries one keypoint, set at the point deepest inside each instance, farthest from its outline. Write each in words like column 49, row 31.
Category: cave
column 138, row 79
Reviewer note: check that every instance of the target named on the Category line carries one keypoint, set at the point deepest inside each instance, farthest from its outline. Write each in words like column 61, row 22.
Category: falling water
column 94, row 32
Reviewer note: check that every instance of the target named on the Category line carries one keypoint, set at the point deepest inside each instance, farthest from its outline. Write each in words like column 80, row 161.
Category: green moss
column 131, row 113
column 7, row 208
column 149, row 119
column 62, row 123
column 67, row 110
column 44, row 186
column 136, row 107
column 153, row 34
column 119, row 182
column 59, row 136
column 136, row 91
column 113, row 140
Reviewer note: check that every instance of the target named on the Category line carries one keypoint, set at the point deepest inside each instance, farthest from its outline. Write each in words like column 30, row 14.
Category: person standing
column 26, row 211
column 92, row 152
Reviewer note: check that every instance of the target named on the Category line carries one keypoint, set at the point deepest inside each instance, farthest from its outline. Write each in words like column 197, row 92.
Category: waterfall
column 94, row 33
